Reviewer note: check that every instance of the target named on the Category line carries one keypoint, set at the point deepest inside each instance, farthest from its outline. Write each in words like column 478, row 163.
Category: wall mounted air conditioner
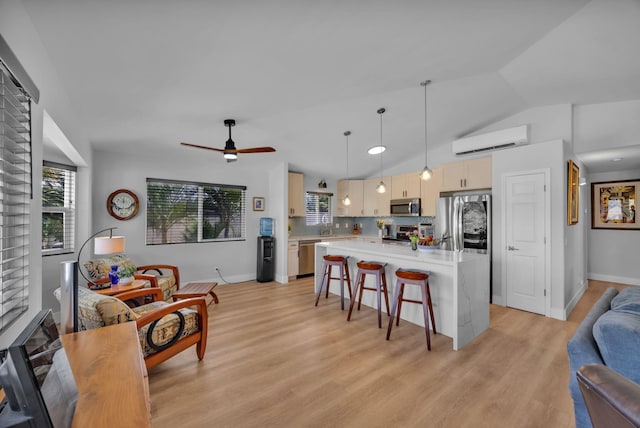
column 504, row 138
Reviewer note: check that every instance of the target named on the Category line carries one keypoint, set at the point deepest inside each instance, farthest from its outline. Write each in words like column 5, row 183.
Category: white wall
column 613, row 254
column 539, row 156
column 606, row 125
column 197, row 261
column 18, row 31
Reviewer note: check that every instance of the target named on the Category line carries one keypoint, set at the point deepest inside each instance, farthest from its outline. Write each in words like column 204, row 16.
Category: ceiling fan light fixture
column 230, row 155
column 376, row 150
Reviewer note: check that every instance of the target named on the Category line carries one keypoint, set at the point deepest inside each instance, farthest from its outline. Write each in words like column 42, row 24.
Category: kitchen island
column 459, row 283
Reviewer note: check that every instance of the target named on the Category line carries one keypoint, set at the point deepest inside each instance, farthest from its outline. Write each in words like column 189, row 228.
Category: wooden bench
column 196, row 289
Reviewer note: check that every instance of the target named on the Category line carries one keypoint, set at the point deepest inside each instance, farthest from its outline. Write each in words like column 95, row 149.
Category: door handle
column 512, row 248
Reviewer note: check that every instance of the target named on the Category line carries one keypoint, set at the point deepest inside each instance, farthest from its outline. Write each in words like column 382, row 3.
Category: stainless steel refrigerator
column 465, row 218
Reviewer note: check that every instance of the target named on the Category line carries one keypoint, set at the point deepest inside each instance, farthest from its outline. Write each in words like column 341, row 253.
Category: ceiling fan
column 230, row 152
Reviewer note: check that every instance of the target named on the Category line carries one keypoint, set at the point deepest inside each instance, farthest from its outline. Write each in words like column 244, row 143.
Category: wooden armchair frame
column 153, row 280
column 157, row 268
column 199, row 338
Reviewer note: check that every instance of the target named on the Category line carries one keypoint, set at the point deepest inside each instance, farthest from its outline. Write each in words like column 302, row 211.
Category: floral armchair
column 165, row 277
column 164, row 329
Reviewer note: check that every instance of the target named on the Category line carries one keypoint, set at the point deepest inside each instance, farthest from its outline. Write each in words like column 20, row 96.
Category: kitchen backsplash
column 344, row 225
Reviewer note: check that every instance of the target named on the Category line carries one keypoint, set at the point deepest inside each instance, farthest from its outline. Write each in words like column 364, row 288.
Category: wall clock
column 122, row 204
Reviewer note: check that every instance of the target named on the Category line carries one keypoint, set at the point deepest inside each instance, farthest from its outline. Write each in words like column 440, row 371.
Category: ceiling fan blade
column 202, row 147
column 256, row 150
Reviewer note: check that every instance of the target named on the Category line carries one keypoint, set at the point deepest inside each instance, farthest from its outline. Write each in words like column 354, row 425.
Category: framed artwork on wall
column 613, row 205
column 258, row 203
column 573, row 193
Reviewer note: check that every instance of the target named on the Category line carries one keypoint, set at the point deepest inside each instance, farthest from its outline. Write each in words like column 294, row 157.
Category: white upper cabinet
column 376, row 204
column 467, row 175
column 405, row 186
column 296, row 195
column 430, row 192
column 354, row 188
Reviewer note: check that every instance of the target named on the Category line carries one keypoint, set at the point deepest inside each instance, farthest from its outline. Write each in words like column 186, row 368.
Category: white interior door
column 525, row 249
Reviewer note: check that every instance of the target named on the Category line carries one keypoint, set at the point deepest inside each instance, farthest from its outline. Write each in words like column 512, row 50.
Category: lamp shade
column 108, row 245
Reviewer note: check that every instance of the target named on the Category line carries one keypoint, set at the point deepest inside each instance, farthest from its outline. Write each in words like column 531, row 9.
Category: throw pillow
column 100, row 268
column 618, row 337
column 628, row 300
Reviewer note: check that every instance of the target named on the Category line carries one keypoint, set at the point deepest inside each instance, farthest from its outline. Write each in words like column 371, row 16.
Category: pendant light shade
column 426, row 172
column 381, row 187
column 346, row 201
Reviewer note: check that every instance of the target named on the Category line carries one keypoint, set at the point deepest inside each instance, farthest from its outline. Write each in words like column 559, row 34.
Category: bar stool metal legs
column 371, row 268
column 341, row 263
column 414, row 277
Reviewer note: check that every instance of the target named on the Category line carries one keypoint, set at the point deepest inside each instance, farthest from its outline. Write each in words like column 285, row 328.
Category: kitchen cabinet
column 355, row 190
column 430, row 192
column 376, row 204
column 405, row 186
column 296, row 195
column 292, row 259
column 467, row 175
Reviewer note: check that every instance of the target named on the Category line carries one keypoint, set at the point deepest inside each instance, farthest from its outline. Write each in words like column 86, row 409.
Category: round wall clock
column 122, row 204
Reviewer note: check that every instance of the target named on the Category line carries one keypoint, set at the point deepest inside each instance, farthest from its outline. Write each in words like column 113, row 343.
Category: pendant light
column 346, row 201
column 426, row 172
column 381, row 187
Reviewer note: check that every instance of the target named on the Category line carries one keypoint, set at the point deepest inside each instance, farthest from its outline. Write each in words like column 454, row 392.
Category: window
column 58, row 208
column 15, row 194
column 318, row 208
column 183, row 212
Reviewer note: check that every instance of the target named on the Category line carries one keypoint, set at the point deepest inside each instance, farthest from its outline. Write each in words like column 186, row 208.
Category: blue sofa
column 609, row 335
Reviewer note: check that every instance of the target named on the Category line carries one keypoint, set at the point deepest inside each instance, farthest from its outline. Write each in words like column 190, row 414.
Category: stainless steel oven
column 405, row 207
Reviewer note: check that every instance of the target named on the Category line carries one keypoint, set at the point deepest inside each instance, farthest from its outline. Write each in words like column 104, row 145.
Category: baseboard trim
column 574, row 301
column 612, row 278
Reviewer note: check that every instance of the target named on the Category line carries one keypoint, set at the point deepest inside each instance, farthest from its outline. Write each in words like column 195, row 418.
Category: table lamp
column 103, row 245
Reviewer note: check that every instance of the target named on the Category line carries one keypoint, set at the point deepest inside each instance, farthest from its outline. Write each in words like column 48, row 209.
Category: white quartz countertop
column 380, row 250
column 328, row 237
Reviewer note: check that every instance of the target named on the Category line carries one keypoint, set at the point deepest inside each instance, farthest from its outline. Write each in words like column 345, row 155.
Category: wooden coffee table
column 196, row 289
column 136, row 284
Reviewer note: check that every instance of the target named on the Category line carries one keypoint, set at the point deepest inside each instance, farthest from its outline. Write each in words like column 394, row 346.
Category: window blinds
column 183, row 212
column 15, row 192
column 318, row 208
column 58, row 208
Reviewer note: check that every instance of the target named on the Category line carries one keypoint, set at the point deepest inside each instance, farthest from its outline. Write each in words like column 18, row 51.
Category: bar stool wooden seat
column 376, row 269
column 341, row 263
column 415, row 277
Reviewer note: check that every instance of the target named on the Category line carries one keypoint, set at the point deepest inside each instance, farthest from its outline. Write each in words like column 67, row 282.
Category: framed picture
column 613, row 205
column 258, row 203
column 573, row 193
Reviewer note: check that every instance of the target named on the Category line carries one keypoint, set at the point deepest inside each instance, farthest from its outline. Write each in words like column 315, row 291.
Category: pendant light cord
column 380, row 111
column 346, row 134
column 425, row 83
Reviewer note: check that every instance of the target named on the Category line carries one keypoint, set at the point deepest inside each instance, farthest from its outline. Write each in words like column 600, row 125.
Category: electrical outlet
column 361, row 225
column 337, row 225
column 346, row 225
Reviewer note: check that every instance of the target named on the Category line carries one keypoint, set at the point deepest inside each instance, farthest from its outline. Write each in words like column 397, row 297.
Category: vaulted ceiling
column 144, row 75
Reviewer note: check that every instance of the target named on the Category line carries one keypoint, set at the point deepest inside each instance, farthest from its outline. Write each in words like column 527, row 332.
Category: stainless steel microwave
column 405, row 207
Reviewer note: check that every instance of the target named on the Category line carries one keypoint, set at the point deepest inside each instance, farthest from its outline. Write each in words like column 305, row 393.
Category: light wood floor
column 275, row 360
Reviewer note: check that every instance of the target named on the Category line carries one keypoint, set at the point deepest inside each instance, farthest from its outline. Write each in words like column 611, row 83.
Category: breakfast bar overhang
column 459, row 283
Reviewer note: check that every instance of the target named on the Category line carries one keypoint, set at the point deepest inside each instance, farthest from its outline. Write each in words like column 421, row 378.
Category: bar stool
column 415, row 277
column 371, row 268
column 341, row 263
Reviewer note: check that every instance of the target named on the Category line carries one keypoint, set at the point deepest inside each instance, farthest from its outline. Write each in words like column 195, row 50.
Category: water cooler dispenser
column 266, row 266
